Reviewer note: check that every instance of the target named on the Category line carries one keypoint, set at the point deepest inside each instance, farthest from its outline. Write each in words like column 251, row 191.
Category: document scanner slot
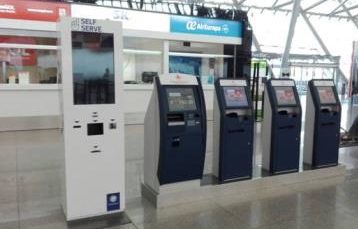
column 175, row 119
column 283, row 112
column 328, row 124
column 236, row 131
column 232, row 115
column 287, row 127
column 325, row 110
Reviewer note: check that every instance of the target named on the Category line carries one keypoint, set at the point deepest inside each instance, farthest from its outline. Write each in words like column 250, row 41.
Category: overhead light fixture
column 142, row 51
column 202, row 55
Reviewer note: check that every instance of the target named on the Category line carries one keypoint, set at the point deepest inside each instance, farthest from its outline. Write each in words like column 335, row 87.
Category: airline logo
column 205, row 26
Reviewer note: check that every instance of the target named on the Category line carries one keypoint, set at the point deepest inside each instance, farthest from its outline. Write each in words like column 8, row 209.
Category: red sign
column 33, row 10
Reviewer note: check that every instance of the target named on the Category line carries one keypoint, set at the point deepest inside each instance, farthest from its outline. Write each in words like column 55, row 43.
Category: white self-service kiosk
column 174, row 134
column 92, row 102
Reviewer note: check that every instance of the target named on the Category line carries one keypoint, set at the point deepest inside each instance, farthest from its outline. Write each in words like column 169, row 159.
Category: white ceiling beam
column 347, row 8
column 348, row 13
column 291, row 31
column 319, row 39
column 341, row 3
column 314, row 5
column 284, row 4
column 274, row 4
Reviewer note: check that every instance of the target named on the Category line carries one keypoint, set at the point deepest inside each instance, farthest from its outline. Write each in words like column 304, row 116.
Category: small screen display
column 285, row 96
column 326, row 95
column 235, row 96
column 94, row 129
column 181, row 99
column 93, row 68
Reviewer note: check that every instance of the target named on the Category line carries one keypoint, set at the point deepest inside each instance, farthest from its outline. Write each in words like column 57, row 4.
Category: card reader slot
column 176, row 141
column 96, row 151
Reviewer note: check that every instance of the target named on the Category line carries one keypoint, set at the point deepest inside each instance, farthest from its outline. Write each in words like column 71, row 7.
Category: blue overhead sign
column 205, row 26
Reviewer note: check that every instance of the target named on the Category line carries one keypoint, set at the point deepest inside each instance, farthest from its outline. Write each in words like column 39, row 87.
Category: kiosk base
column 171, row 194
column 183, row 194
column 310, row 166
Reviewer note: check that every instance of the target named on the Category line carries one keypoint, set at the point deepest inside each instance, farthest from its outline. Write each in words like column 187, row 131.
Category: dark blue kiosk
column 322, row 124
column 281, row 127
column 174, row 132
column 233, row 131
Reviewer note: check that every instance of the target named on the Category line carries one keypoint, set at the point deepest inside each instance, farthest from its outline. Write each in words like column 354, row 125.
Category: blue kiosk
column 281, row 127
column 233, row 129
column 322, row 124
column 174, row 132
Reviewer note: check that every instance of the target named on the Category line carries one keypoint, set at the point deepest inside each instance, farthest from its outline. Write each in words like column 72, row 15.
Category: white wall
column 38, row 106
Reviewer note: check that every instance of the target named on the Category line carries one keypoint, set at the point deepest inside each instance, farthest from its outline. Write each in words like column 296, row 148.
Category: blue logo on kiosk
column 113, row 201
column 205, row 26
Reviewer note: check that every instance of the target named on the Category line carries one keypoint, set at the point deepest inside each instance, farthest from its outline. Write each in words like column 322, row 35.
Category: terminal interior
column 43, row 102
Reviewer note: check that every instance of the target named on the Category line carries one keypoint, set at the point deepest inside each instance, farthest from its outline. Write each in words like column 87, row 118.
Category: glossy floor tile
column 30, row 193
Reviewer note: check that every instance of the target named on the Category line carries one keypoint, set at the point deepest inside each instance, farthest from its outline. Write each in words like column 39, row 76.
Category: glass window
column 204, row 60
column 143, row 60
column 26, row 60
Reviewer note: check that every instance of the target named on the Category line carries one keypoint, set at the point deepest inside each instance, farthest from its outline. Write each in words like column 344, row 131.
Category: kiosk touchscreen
column 281, row 127
column 174, row 131
column 93, row 168
column 322, row 124
column 233, row 131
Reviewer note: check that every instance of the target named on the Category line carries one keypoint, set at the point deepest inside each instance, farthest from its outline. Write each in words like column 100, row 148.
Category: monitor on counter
column 181, row 99
column 235, row 97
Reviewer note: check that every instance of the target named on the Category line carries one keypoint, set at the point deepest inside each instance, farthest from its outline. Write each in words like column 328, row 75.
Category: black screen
column 181, row 99
column 93, row 68
column 94, row 129
column 235, row 97
column 285, row 96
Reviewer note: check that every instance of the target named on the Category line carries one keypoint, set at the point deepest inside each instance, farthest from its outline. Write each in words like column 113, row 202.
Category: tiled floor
column 29, row 194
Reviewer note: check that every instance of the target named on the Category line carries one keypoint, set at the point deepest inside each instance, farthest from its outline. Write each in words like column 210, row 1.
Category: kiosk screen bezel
column 235, row 103
column 291, row 102
column 189, row 92
column 334, row 101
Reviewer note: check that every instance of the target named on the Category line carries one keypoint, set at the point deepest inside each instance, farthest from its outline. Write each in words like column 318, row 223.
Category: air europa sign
column 205, row 26
column 194, row 25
